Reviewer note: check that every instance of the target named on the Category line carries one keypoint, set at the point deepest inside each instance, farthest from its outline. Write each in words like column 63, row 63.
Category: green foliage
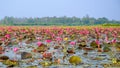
column 57, row 21
column 111, row 24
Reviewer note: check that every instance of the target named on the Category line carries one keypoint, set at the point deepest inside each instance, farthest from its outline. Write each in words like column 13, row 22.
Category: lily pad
column 82, row 44
column 42, row 48
column 94, row 44
column 46, row 63
column 75, row 60
column 11, row 62
column 32, row 67
column 26, row 55
column 4, row 58
column 106, row 49
column 70, row 50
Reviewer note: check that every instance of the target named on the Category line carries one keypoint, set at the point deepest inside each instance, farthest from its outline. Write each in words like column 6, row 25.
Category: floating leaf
column 10, row 62
column 32, row 67
column 75, row 60
column 46, row 63
column 114, row 60
column 106, row 49
column 94, row 44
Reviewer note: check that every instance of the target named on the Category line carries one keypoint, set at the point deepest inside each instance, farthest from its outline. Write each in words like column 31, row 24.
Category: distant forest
column 65, row 21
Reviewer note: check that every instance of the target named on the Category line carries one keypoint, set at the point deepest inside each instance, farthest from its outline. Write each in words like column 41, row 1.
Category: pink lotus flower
column 97, row 29
column 15, row 49
column 38, row 38
column 7, row 35
column 59, row 39
column 3, row 39
column 9, row 30
column 97, row 42
column 39, row 43
column 106, row 39
column 72, row 43
column 48, row 41
column 113, row 41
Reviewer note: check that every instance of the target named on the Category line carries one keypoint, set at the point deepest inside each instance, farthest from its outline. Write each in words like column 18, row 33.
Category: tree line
column 47, row 21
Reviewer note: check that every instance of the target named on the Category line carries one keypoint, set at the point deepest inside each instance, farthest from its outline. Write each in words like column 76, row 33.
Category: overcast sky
column 43, row 8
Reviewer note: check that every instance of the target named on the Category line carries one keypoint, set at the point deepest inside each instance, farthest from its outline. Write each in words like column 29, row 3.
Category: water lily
column 7, row 36
column 15, row 49
column 114, row 41
column 98, row 43
column 72, row 43
column 59, row 39
column 48, row 41
column 38, row 38
column 39, row 43
column 3, row 39
column 106, row 40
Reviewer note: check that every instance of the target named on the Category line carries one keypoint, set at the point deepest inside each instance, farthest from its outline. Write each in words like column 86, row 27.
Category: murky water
column 87, row 60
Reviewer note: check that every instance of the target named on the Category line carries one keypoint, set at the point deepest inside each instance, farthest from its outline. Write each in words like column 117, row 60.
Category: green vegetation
column 65, row 21
column 111, row 24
